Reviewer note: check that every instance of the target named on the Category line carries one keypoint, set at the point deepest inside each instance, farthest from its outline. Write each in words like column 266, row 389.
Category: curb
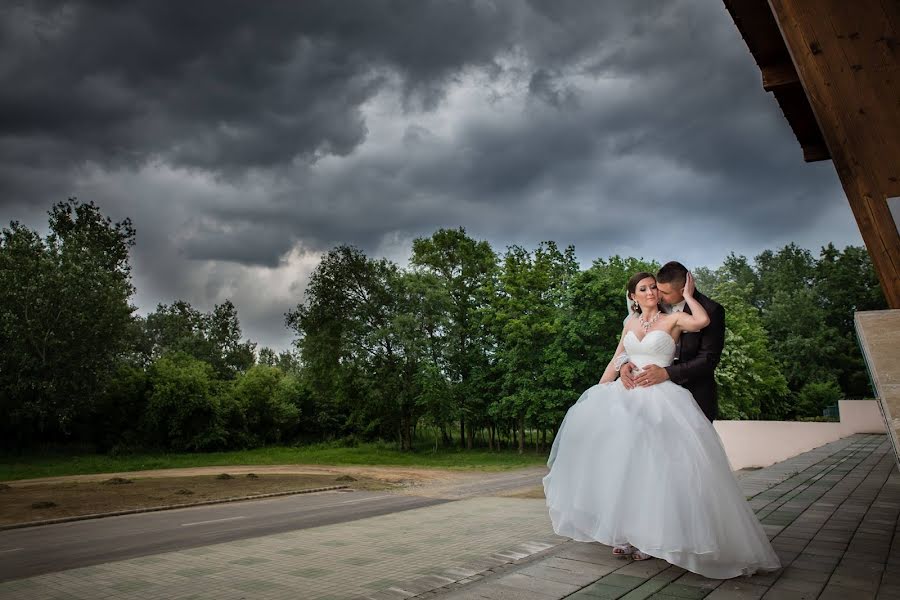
column 132, row 511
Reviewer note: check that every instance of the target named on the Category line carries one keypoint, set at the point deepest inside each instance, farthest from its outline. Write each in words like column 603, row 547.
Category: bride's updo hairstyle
column 632, row 286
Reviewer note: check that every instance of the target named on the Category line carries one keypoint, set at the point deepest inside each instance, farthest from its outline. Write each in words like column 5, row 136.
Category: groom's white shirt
column 679, row 307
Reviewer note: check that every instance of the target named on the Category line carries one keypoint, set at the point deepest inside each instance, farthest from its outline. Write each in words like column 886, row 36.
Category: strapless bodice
column 657, row 347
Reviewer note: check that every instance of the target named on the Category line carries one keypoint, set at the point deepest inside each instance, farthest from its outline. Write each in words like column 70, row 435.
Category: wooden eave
column 757, row 26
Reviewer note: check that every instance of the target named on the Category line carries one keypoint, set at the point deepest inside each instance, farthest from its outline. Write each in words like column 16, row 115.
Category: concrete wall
column 762, row 443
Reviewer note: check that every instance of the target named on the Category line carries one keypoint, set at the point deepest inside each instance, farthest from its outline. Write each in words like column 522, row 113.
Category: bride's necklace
column 648, row 324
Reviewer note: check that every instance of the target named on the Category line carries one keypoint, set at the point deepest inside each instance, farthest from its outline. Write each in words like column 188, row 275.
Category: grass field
column 16, row 467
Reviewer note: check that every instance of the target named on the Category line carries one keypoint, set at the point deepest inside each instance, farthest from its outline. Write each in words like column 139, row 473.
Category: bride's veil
column 554, row 449
column 631, row 312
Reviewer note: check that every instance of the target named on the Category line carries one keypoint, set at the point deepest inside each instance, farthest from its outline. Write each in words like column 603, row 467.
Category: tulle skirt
column 646, row 467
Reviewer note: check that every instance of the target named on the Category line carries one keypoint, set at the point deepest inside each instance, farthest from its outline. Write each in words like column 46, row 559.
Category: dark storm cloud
column 220, row 85
column 235, row 133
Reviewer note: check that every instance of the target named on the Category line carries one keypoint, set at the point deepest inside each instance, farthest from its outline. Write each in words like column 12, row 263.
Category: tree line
column 464, row 346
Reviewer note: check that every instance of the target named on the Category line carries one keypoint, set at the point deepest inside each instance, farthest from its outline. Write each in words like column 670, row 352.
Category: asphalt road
column 49, row 548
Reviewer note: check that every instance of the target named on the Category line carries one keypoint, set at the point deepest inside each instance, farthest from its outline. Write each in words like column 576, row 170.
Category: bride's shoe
column 638, row 555
column 624, row 550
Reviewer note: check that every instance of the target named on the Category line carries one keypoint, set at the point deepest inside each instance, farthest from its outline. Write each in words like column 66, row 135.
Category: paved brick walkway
column 334, row 561
column 832, row 513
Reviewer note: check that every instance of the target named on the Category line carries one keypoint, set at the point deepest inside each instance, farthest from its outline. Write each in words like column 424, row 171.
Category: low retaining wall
column 763, row 443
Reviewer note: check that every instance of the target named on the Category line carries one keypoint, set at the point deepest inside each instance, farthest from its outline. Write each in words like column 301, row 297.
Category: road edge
column 133, row 511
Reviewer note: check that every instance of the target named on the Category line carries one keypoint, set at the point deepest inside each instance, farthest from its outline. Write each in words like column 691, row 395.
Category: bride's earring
column 635, row 306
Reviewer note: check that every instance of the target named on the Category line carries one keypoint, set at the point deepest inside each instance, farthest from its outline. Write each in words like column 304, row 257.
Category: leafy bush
column 113, row 425
column 183, row 410
column 816, row 396
column 265, row 403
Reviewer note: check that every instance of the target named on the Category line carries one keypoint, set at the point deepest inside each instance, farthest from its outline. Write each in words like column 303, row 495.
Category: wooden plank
column 870, row 91
column 837, row 91
column 815, row 152
column 774, row 76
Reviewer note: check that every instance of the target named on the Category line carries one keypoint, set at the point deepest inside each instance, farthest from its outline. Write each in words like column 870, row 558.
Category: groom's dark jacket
column 698, row 354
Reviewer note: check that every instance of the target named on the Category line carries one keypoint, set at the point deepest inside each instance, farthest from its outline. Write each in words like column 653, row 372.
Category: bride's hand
column 688, row 291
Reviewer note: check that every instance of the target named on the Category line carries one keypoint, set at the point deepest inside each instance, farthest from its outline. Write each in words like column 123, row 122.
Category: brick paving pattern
column 333, row 561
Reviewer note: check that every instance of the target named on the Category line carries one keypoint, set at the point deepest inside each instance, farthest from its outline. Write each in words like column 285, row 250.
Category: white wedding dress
column 646, row 467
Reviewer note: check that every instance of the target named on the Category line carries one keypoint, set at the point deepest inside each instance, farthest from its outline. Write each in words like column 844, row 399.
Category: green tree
column 119, row 409
column 346, row 343
column 751, row 385
column 846, row 282
column 184, row 406
column 807, row 308
column 465, row 267
column 786, row 271
column 285, row 360
column 595, row 318
column 528, row 318
column 816, row 396
column 64, row 320
column 265, row 411
column 323, row 324
column 213, row 337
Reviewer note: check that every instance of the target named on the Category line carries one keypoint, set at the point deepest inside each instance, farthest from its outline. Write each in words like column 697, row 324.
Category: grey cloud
column 639, row 123
column 220, row 85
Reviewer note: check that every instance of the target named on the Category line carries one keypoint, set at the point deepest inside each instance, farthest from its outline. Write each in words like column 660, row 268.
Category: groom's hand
column 625, row 375
column 652, row 375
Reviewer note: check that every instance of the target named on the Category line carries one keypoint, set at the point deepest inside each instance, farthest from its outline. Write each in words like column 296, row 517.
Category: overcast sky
column 246, row 138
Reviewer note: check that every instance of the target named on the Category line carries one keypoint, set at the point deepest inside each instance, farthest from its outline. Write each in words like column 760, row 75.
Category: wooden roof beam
column 774, row 76
column 815, row 152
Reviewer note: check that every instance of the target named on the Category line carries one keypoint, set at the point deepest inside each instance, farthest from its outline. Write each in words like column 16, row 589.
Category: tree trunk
column 407, row 433
column 522, row 434
column 462, row 432
column 470, row 437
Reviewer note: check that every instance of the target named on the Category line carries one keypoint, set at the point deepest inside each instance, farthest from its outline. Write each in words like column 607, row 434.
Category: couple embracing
column 636, row 463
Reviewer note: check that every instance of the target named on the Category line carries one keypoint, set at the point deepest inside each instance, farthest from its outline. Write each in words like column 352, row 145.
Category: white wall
column 762, row 443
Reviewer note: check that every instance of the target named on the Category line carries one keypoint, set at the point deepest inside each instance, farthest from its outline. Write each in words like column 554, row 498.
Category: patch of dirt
column 117, row 481
column 410, row 475
column 107, row 492
column 34, row 500
column 536, row 492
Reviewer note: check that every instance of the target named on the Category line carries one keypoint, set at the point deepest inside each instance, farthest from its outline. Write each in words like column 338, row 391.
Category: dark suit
column 697, row 356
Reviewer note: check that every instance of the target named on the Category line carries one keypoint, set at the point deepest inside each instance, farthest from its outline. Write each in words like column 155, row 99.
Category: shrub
column 265, row 404
column 183, row 410
column 113, row 425
column 816, row 396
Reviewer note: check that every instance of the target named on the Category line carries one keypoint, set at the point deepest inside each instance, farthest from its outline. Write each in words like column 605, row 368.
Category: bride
column 643, row 470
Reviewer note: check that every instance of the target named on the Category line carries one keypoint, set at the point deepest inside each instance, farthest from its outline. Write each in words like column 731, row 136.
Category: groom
column 696, row 354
